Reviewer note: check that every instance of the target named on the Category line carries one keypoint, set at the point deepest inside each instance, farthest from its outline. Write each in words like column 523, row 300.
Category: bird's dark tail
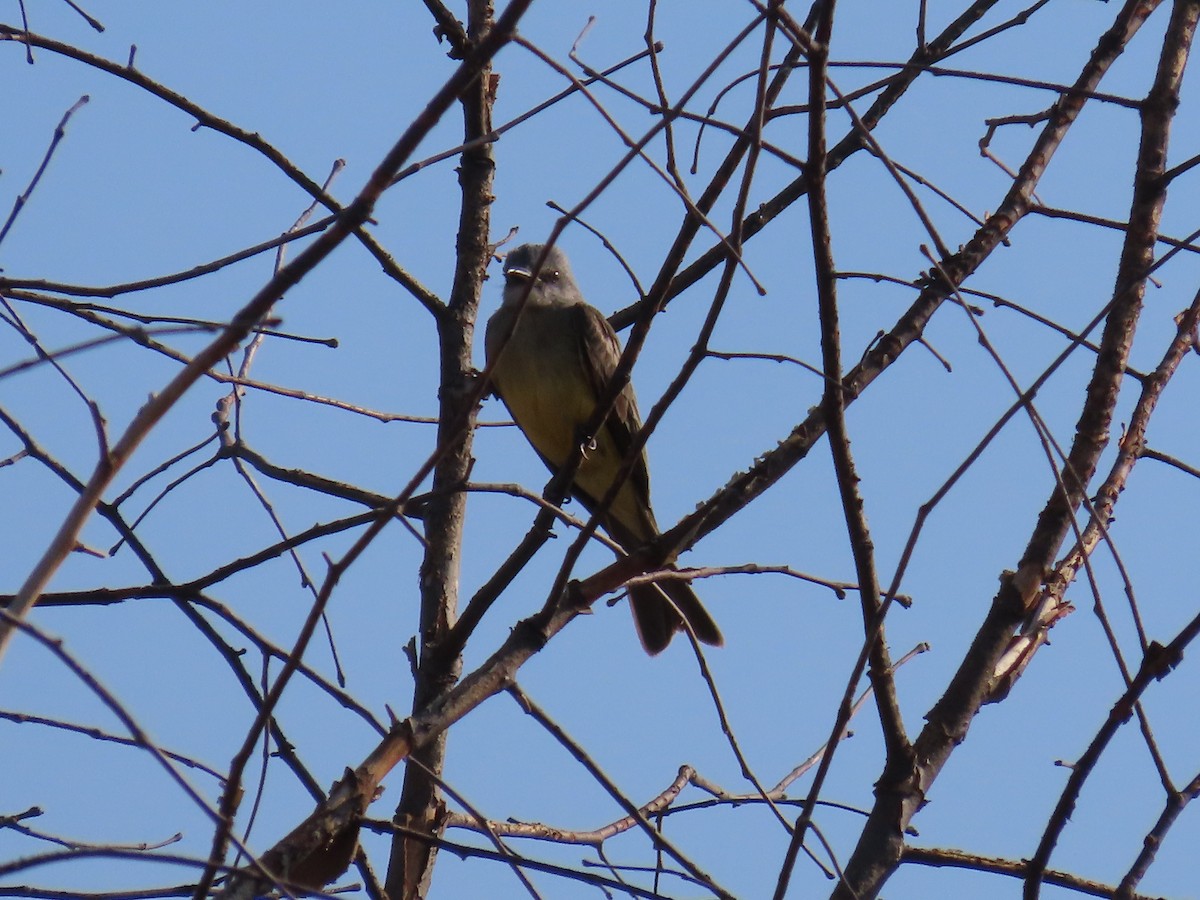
column 658, row 618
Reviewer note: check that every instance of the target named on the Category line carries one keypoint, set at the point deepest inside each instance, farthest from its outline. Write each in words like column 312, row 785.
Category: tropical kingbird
column 555, row 366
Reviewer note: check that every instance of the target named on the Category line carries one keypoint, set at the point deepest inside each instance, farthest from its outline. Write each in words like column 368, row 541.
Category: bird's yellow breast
column 542, row 380
column 543, row 384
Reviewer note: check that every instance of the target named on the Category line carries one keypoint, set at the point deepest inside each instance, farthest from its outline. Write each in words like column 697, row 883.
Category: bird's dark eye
column 550, row 275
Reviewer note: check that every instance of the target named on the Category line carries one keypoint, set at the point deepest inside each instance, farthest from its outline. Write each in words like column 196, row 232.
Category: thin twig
column 60, row 132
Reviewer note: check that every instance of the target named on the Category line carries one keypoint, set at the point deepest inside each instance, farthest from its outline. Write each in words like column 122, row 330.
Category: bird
column 554, row 367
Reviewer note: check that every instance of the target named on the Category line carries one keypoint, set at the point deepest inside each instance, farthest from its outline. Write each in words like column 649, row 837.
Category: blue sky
column 133, row 192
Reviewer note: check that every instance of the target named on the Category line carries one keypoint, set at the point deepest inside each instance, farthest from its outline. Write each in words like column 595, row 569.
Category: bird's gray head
column 553, row 283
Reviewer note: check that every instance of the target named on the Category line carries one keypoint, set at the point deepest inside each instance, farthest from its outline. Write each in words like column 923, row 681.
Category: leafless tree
column 1009, row 367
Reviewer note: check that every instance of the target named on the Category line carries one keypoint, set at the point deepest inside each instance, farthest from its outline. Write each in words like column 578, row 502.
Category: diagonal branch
column 354, row 215
column 882, row 840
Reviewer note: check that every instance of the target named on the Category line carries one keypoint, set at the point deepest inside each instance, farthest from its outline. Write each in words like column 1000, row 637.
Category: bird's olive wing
column 600, row 352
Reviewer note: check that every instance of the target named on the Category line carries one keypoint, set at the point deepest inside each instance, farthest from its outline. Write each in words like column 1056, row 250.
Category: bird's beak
column 517, row 274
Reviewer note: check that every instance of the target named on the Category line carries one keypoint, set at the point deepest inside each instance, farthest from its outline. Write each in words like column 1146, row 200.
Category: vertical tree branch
column 833, row 405
column 1137, row 256
column 882, row 840
column 421, row 808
